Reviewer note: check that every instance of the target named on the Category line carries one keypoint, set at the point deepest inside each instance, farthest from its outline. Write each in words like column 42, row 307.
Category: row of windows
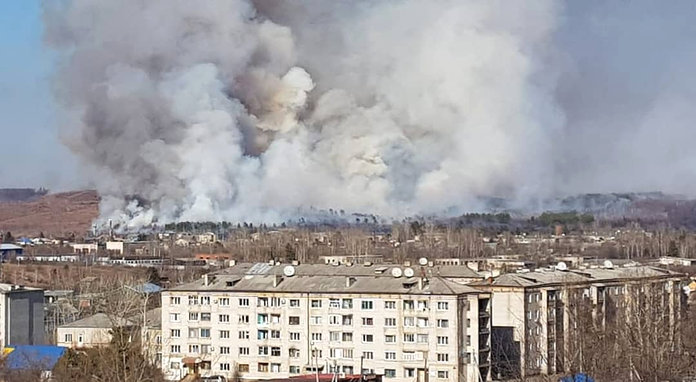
column 275, row 351
column 316, row 337
column 334, row 319
column 344, row 303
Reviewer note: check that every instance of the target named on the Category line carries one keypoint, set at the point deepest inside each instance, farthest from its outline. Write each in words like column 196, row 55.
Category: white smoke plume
column 233, row 110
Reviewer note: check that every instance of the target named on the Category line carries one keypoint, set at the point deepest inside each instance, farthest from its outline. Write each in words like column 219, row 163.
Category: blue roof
column 147, row 288
column 43, row 357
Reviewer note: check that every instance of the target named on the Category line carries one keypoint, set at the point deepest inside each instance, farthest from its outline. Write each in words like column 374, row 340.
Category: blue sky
column 28, row 119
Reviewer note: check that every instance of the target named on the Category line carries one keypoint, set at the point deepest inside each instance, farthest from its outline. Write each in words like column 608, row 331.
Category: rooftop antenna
column 396, row 272
column 561, row 266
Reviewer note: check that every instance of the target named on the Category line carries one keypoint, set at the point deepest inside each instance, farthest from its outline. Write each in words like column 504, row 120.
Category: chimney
column 233, row 263
column 350, row 281
column 407, row 263
column 276, row 280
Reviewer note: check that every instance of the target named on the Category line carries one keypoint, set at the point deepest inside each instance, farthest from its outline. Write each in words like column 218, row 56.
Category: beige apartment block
column 270, row 321
column 534, row 312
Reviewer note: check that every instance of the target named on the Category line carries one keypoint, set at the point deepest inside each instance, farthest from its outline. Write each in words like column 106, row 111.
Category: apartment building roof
column 97, row 321
column 577, row 276
column 448, row 271
column 327, row 284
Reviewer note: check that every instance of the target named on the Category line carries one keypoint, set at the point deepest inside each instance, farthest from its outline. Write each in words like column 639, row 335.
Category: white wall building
column 270, row 325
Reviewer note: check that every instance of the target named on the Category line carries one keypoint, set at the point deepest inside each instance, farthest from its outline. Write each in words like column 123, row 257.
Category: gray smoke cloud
column 239, row 110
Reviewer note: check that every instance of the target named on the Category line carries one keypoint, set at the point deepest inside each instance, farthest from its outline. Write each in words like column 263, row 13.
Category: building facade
column 265, row 325
column 536, row 314
column 21, row 315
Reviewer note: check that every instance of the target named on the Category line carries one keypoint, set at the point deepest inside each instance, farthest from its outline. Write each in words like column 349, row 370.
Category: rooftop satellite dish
column 608, row 264
column 289, row 271
column 561, row 266
column 408, row 272
column 423, row 261
column 396, row 272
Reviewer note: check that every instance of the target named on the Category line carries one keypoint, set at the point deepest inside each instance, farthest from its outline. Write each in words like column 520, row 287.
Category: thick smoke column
column 237, row 110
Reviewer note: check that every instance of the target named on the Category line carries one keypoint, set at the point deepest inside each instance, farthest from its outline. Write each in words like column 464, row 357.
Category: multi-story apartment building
column 21, row 315
column 536, row 314
column 345, row 319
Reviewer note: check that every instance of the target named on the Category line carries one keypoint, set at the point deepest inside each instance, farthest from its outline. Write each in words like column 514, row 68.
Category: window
column 409, row 337
column 193, row 316
column 367, row 321
column 68, row 337
column 294, row 370
column 422, row 305
column 390, row 305
column 243, row 335
column 224, row 318
column 275, row 368
column 409, row 305
column 390, row 322
column 174, row 365
column 193, row 349
column 224, row 350
column 205, row 300
column 367, row 338
column 205, row 333
column 176, row 333
column 244, row 302
column 390, row 356
column 444, row 374
column 263, row 350
column 225, row 301
column 294, row 353
column 262, row 301
column 348, row 320
column 316, row 303
column 390, row 339
column 79, row 338
column 243, row 367
column 390, row 373
column 294, row 303
column 275, row 334
column 422, row 322
column 244, row 351
column 409, row 321
column 422, row 338
column 262, row 367
column 262, row 319
column 409, row 372
column 368, row 355
column 334, row 319
column 225, row 367
column 335, row 336
column 315, row 320
column 275, row 351
column 334, row 303
column 175, row 349
column 366, row 305
column 347, row 303
column 243, row 318
column 205, row 349
column 294, row 320
column 316, row 337
column 442, row 357
column 442, row 305
column 224, row 334
column 275, row 318
column 174, row 317
column 347, row 337
column 442, row 340
column 205, row 316
column 262, row 335
column 193, row 300
column 294, row 336
column 468, row 340
column 193, row 333
column 174, row 300
column 443, row 323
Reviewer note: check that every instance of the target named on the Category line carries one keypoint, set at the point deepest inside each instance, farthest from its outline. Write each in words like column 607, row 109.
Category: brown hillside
column 55, row 214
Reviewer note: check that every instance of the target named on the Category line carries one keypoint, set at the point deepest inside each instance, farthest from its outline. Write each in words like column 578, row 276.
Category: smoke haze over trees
column 234, row 110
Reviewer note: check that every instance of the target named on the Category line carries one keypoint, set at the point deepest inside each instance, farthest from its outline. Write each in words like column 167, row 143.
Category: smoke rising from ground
column 238, row 110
